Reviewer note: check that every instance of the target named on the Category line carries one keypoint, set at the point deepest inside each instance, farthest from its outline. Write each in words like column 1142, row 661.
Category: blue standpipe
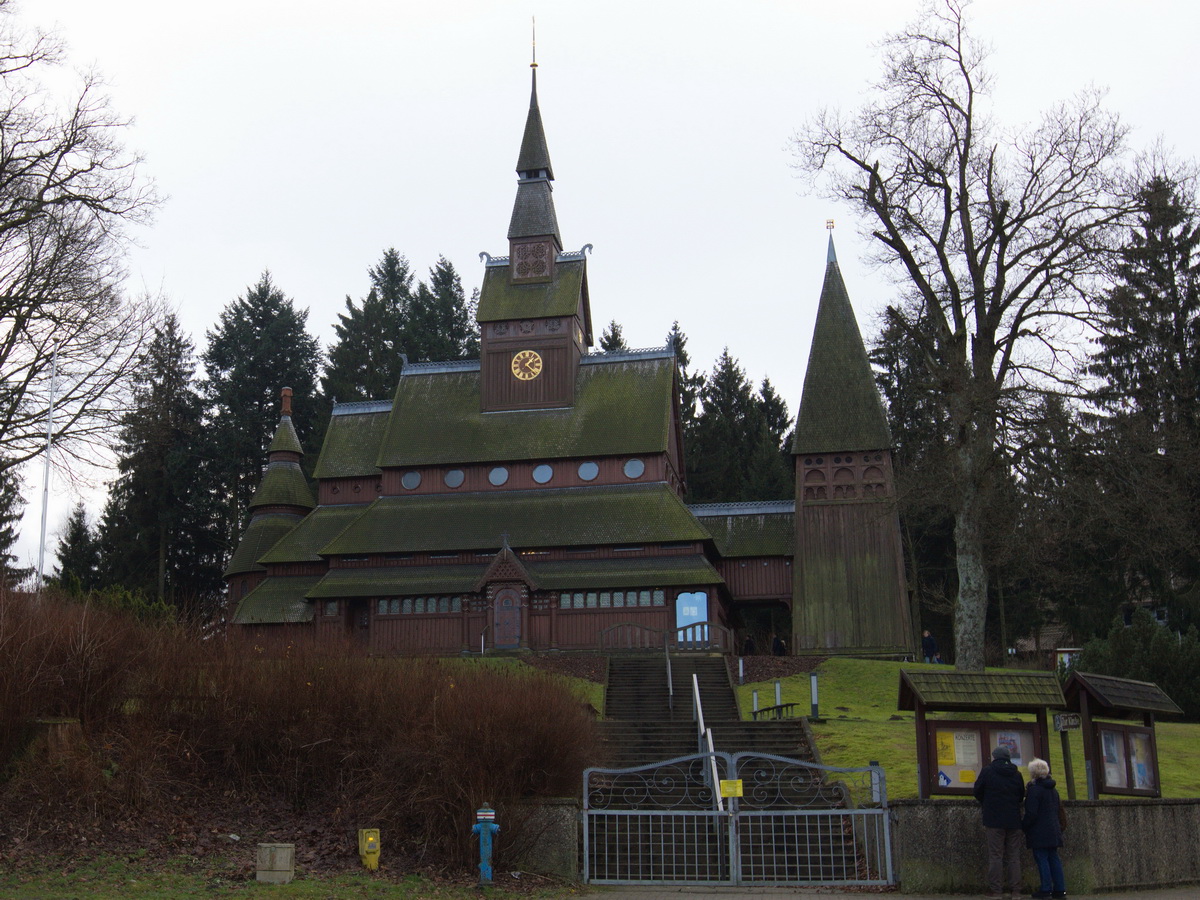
column 486, row 827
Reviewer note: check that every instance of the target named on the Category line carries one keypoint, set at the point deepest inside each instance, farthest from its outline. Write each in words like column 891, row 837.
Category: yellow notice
column 967, row 775
column 945, row 748
column 731, row 788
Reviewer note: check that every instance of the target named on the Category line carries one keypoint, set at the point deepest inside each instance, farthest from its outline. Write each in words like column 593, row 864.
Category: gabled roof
column 983, row 691
column 283, row 485
column 352, row 441
column 635, row 572
column 621, row 408
column 1117, row 697
column 763, row 530
column 500, row 299
column 319, row 527
column 840, row 408
column 277, row 600
column 263, row 533
column 637, row 514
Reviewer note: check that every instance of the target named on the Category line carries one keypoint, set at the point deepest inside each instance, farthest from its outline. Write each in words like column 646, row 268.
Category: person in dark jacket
column 929, row 647
column 1000, row 789
column 1043, row 834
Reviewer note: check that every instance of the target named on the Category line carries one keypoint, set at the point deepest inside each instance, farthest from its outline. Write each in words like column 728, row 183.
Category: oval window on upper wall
column 542, row 473
column 454, row 478
column 588, row 471
column 411, row 480
column 498, row 476
column 634, row 468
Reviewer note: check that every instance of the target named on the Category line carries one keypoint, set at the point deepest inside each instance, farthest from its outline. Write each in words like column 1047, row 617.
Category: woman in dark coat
column 1043, row 835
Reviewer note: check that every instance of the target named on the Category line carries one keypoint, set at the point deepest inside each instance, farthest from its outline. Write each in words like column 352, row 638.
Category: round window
column 498, row 476
column 588, row 471
column 411, row 480
column 543, row 473
column 454, row 478
column 634, row 468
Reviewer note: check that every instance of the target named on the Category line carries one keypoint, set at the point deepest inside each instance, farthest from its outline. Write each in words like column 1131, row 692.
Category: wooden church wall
column 757, row 578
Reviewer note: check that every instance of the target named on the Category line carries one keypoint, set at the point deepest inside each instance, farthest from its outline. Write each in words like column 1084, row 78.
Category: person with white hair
column 1043, row 829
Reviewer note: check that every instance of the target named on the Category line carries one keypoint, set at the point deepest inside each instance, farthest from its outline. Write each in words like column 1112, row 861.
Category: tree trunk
column 970, row 615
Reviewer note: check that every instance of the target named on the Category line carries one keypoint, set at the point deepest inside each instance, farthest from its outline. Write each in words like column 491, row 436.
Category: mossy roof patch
column 840, row 408
column 635, row 572
column 397, row 581
column 286, row 438
column 621, row 407
column 637, row 514
column 752, row 534
column 263, row 533
column 319, row 527
column 501, row 300
column 1118, row 697
column 283, row 485
column 352, row 445
column 278, row 600
column 982, row 691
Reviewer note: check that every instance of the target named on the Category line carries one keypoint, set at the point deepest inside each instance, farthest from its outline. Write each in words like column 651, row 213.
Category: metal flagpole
column 46, row 470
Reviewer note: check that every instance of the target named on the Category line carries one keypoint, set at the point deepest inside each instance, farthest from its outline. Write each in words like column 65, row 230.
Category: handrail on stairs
column 670, row 680
column 705, row 742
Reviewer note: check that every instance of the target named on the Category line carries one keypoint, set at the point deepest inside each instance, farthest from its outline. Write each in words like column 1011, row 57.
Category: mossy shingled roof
column 635, row 572
column 263, row 533
column 351, row 445
column 277, row 600
column 500, row 299
column 982, row 691
column 637, row 514
column 752, row 535
column 283, row 485
column 1119, row 696
column 840, row 408
column 319, row 527
column 621, row 408
column 397, row 581
column 286, row 438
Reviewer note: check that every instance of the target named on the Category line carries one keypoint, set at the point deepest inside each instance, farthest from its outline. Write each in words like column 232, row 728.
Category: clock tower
column 534, row 316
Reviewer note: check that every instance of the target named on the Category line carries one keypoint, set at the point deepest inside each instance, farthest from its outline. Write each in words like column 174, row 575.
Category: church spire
column 533, row 213
column 840, row 408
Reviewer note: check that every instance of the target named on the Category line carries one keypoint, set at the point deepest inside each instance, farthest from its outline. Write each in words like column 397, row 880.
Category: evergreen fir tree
column 612, row 340
column 440, row 324
column 260, row 345
column 78, row 555
column 690, row 384
column 159, row 534
column 11, row 506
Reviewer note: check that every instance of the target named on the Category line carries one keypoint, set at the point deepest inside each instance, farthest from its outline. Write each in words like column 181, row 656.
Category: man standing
column 929, row 647
column 1001, row 789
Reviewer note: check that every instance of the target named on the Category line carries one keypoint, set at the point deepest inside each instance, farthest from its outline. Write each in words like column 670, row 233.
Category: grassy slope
column 858, row 700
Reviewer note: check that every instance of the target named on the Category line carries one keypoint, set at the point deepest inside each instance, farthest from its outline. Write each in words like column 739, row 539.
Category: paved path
column 718, row 893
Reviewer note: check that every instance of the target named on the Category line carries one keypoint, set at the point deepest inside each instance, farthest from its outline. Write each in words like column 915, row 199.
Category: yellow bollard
column 368, row 847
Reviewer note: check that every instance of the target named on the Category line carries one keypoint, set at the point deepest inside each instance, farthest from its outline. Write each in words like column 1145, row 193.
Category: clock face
column 527, row 365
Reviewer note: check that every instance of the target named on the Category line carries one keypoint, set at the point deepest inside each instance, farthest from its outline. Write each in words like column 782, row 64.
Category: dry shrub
column 413, row 746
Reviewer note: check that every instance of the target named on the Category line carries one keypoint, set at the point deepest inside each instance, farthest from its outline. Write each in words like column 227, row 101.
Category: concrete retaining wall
column 1110, row 845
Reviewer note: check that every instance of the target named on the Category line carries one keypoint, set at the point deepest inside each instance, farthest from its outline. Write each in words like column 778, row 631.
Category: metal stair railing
column 705, row 745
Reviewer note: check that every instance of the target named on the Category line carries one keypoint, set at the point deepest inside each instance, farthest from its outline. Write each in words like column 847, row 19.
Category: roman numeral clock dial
column 526, row 365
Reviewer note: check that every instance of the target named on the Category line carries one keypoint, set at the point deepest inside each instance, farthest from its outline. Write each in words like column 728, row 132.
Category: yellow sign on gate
column 731, row 788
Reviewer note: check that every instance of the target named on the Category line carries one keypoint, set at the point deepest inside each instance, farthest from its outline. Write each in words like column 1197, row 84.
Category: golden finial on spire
column 533, row 20
column 829, row 224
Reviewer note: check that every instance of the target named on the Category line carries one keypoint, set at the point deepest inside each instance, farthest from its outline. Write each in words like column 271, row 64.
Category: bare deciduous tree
column 67, row 189
column 998, row 234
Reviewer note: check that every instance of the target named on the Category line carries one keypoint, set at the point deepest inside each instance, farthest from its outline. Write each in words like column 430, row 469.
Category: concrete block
column 276, row 863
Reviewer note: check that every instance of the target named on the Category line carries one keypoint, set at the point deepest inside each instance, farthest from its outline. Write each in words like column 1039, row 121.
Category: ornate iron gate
column 796, row 823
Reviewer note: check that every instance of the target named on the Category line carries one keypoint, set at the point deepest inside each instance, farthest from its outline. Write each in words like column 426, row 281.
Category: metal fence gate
column 796, row 823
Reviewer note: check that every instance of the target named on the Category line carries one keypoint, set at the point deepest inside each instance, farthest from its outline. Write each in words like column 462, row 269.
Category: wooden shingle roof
column 565, row 517
column 263, row 533
column 500, row 299
column 283, row 485
column 622, row 407
column 750, row 529
column 278, row 600
column 1116, row 697
column 319, row 527
column 352, row 442
column 982, row 691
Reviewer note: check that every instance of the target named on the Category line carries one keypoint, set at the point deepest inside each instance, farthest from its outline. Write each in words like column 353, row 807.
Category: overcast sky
column 306, row 137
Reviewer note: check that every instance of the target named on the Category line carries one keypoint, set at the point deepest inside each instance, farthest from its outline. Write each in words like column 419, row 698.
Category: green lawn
column 117, row 878
column 858, row 701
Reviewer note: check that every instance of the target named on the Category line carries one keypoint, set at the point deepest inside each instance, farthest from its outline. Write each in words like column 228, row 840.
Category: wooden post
column 922, row 753
column 1067, row 768
column 1089, row 746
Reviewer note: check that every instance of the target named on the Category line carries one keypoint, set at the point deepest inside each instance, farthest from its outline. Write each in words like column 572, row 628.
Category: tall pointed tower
column 534, row 314
column 849, row 589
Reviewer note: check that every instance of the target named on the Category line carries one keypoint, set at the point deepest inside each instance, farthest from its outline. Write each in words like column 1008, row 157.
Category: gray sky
column 306, row 137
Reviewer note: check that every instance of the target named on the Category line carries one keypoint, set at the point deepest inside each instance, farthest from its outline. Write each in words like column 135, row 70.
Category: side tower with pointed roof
column 849, row 593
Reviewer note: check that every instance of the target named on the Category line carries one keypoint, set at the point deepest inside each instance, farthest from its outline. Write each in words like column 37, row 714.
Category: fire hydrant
column 368, row 847
column 485, row 826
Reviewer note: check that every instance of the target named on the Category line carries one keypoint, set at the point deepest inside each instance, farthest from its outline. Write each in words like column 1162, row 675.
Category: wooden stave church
column 534, row 498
